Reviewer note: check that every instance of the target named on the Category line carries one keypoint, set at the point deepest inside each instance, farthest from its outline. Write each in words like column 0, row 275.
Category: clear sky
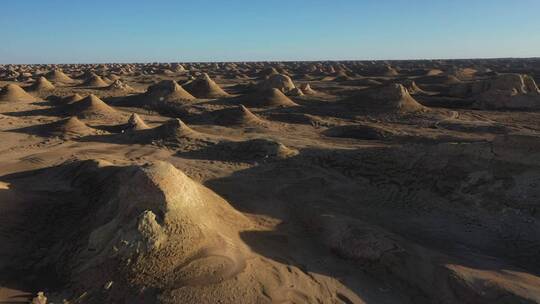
column 72, row 31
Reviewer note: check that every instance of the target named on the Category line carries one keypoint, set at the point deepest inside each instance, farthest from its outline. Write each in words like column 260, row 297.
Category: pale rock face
column 136, row 123
column 391, row 92
column 393, row 98
column 40, row 298
column 119, row 85
column 278, row 81
column 509, row 91
column 168, row 90
column 159, row 207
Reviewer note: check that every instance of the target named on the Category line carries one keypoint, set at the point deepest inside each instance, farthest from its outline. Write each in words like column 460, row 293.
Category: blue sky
column 60, row 31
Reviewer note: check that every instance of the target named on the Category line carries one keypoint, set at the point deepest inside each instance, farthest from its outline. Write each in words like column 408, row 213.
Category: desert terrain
column 271, row 182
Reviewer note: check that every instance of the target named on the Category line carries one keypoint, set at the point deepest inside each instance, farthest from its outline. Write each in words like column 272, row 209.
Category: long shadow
column 51, row 223
column 377, row 186
column 37, row 112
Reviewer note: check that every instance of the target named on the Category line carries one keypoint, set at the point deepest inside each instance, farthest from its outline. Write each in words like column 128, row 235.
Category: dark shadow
column 383, row 190
column 51, row 223
column 36, row 112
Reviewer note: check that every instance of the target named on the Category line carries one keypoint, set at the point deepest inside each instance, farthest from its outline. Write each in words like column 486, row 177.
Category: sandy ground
column 341, row 195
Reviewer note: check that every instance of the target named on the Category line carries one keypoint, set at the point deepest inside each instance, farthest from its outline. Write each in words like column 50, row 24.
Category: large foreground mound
column 145, row 232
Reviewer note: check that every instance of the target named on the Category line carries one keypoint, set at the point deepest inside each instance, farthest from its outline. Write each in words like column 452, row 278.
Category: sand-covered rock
column 413, row 88
column 135, row 123
column 118, row 85
column 277, row 81
column 507, row 91
column 393, row 98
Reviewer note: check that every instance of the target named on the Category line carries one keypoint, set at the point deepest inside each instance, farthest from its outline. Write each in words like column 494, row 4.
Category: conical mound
column 14, row 93
column 306, row 89
column 168, row 91
column 118, row 85
column 69, row 127
column 135, row 123
column 95, row 81
column 175, row 129
column 58, row 76
column 390, row 71
column 205, row 87
column 42, row 84
column 91, row 106
column 269, row 98
column 393, row 98
column 168, row 228
column 281, row 82
column 175, row 134
column 239, row 116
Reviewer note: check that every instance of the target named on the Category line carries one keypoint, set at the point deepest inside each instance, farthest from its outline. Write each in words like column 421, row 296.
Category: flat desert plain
column 271, row 182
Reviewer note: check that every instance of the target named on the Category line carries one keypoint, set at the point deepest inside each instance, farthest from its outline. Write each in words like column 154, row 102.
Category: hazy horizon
column 270, row 61
column 59, row 31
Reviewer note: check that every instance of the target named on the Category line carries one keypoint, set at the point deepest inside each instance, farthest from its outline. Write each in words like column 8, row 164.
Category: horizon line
column 278, row 61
